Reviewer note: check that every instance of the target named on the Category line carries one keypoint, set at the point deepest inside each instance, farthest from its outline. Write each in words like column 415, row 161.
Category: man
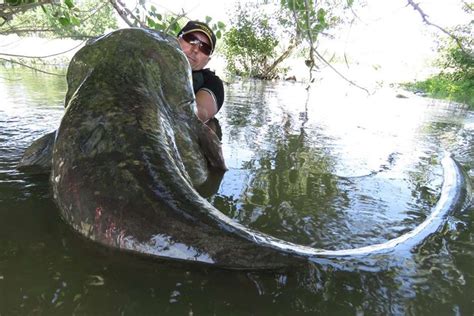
column 198, row 42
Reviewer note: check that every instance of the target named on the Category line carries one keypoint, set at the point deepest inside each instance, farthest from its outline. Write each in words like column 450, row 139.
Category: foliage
column 313, row 18
column 456, row 79
column 460, row 59
column 264, row 34
column 82, row 19
column 64, row 19
column 308, row 21
column 160, row 22
column 171, row 23
column 250, row 43
column 447, row 86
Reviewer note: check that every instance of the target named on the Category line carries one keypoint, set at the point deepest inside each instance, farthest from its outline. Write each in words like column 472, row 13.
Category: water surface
column 332, row 168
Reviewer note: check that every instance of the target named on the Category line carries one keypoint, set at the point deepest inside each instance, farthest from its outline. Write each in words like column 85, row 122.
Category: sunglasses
column 193, row 40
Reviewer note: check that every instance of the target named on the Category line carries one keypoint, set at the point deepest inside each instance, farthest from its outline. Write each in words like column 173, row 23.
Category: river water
column 330, row 167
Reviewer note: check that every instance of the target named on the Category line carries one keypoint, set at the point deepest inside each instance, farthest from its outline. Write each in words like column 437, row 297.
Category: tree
column 82, row 20
column 456, row 61
column 251, row 43
column 273, row 32
column 53, row 19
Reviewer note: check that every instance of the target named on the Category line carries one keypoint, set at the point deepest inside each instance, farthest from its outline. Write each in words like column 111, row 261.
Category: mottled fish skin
column 37, row 157
column 130, row 152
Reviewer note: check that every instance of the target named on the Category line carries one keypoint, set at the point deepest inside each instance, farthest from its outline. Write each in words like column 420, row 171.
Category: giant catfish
column 130, row 153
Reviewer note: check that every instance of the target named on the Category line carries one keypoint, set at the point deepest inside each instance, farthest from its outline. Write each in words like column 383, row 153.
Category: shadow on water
column 308, row 169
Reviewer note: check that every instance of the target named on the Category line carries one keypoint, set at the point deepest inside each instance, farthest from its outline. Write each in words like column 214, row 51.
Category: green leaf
column 64, row 21
column 174, row 27
column 13, row 2
column 322, row 16
column 75, row 21
column 69, row 4
column 150, row 22
column 219, row 34
column 291, row 5
column 300, row 5
column 221, row 25
column 208, row 19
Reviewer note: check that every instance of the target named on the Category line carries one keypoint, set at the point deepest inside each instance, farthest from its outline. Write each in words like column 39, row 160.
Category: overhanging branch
column 44, row 56
column 36, row 69
column 126, row 15
column 320, row 57
column 313, row 52
column 424, row 17
column 7, row 11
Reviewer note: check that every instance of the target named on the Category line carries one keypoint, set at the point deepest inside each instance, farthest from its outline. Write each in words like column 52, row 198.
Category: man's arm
column 206, row 105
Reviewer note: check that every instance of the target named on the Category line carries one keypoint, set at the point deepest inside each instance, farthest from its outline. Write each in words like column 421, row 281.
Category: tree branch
column 282, row 57
column 44, row 56
column 320, row 57
column 125, row 13
column 36, row 69
column 175, row 19
column 7, row 11
column 424, row 17
column 94, row 12
column 19, row 31
column 311, row 43
column 313, row 52
column 470, row 7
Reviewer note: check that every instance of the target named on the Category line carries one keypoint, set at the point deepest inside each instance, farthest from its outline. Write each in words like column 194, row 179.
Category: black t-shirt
column 207, row 79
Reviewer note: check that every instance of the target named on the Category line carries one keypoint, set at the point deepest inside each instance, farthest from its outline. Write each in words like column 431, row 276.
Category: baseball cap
column 196, row 26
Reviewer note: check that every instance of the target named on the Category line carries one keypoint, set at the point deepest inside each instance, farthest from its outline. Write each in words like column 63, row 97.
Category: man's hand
column 206, row 105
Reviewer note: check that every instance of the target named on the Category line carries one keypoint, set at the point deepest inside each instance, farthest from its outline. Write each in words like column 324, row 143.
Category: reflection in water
column 323, row 169
column 299, row 178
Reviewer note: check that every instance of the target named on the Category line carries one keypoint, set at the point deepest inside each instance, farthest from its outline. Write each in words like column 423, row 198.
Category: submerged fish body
column 130, row 152
column 128, row 156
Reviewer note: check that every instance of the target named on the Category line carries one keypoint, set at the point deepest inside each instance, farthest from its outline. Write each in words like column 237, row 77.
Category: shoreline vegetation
column 443, row 87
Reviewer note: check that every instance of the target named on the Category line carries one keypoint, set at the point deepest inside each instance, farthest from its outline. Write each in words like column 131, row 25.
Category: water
column 332, row 168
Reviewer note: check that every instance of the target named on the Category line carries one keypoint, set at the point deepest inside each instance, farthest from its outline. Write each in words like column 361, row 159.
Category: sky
column 394, row 37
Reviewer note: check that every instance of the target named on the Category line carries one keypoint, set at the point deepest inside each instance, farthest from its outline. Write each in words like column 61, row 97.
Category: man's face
column 197, row 59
